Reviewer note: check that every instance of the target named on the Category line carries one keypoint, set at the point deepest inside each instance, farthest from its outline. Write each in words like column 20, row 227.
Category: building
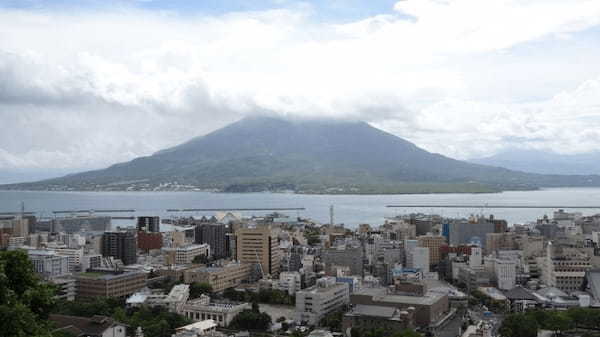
column 121, row 245
column 469, row 231
column 148, row 224
column 259, row 245
column 95, row 326
column 434, row 243
column 149, row 241
column 220, row 278
column 564, row 268
column 222, row 313
column 47, row 264
column 505, row 273
column 203, row 328
column 185, row 254
column 351, row 257
column 74, row 256
column 500, row 241
column 65, row 288
column 429, row 308
column 418, row 258
column 81, row 223
column 104, row 284
column 290, row 282
column 215, row 235
column 371, row 317
column 312, row 304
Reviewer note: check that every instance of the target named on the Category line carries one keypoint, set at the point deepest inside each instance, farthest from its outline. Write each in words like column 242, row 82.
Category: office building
column 259, row 245
column 220, row 278
column 434, row 243
column 106, row 284
column 500, row 241
column 120, row 245
column 472, row 231
column 418, row 258
column 215, row 235
column 148, row 224
column 312, row 304
column 563, row 267
column 505, row 273
column 185, row 254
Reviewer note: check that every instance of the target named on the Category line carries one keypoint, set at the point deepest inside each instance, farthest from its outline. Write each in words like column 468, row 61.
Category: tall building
column 564, row 268
column 418, row 258
column 47, row 264
column 434, row 243
column 500, row 241
column 148, row 224
column 215, row 235
column 259, row 245
column 120, row 245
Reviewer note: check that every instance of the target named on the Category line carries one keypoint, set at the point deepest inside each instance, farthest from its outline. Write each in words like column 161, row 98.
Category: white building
column 289, row 281
column 222, row 313
column 419, row 259
column 74, row 256
column 185, row 254
column 197, row 329
column 505, row 272
column 314, row 303
column 47, row 264
column 476, row 258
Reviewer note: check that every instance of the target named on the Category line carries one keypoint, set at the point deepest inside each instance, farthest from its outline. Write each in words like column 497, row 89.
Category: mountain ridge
column 304, row 156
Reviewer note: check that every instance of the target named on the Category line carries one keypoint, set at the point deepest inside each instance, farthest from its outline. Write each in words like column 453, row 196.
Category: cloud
column 86, row 89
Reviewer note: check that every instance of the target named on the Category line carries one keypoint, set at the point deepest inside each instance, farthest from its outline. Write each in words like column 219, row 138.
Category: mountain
column 544, row 162
column 317, row 156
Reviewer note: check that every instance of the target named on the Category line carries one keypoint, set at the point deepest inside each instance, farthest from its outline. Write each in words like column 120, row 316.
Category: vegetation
column 25, row 301
column 527, row 324
column 381, row 332
column 197, row 289
column 156, row 322
column 333, row 320
column 268, row 296
column 312, row 235
column 251, row 319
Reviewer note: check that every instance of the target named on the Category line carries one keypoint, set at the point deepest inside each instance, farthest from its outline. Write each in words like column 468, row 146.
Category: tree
column 25, row 301
column 197, row 289
column 519, row 325
column 250, row 319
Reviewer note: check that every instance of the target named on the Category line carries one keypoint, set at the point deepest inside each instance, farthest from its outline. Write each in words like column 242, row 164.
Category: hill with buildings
column 303, row 156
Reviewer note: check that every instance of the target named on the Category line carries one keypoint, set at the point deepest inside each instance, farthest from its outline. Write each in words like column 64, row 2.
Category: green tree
column 197, row 289
column 200, row 259
column 25, row 301
column 249, row 319
column 519, row 325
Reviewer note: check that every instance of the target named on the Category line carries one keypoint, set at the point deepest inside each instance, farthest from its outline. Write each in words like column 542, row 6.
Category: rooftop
column 107, row 275
column 382, row 295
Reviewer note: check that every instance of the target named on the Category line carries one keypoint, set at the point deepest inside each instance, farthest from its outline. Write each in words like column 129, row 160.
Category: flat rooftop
column 382, row 295
column 98, row 275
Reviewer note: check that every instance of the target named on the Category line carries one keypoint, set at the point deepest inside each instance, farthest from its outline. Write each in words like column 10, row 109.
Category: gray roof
column 373, row 311
column 519, row 293
column 381, row 295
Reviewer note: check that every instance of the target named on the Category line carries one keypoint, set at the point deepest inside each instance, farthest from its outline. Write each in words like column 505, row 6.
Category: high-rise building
column 434, row 243
column 215, row 235
column 351, row 257
column 120, row 245
column 418, row 258
column 500, row 241
column 474, row 231
column 148, row 224
column 259, row 245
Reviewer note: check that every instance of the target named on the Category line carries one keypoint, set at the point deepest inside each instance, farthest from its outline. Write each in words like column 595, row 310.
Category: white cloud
column 89, row 89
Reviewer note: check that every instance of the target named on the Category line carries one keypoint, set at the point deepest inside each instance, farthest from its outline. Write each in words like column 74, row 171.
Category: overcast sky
column 101, row 82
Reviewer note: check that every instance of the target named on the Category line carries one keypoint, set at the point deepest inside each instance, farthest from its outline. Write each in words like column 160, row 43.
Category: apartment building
column 434, row 243
column 102, row 284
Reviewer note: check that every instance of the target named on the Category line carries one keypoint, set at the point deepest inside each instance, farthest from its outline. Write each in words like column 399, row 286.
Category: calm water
column 349, row 209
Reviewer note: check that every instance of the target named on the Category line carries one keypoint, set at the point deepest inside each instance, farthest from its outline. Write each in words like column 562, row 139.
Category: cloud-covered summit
column 87, row 87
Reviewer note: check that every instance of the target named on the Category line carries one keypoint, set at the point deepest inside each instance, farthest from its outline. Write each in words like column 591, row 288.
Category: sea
column 350, row 210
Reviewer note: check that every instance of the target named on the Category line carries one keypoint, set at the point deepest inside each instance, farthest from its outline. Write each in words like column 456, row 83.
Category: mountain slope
column 544, row 162
column 265, row 153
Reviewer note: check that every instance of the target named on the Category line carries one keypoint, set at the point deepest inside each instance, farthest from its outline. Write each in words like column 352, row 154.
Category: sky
column 85, row 84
